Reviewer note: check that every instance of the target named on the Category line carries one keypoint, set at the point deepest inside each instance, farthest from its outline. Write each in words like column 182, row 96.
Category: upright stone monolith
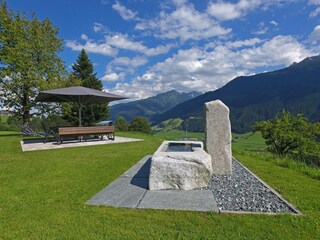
column 218, row 136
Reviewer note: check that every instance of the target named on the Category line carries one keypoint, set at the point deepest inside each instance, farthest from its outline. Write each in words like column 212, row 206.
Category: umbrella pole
column 80, row 114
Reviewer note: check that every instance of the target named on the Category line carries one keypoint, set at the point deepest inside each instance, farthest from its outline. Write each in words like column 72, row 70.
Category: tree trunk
column 25, row 107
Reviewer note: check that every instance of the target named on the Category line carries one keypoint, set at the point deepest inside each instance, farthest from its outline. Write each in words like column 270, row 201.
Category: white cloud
column 132, row 62
column 207, row 70
column 123, row 42
column 314, row 2
column 118, row 68
column 113, row 77
column 225, row 11
column 273, row 22
column 243, row 43
column 315, row 35
column 84, row 37
column 262, row 29
column 98, row 27
column 92, row 47
column 125, row 13
column 112, row 43
column 315, row 12
column 185, row 22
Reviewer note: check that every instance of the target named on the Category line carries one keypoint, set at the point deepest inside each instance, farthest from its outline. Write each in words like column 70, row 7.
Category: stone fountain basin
column 174, row 169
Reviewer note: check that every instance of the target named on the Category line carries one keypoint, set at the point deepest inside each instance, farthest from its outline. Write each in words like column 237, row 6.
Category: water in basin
column 181, row 147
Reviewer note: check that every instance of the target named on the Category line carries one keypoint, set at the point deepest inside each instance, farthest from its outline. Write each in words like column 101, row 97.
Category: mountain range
column 150, row 107
column 262, row 96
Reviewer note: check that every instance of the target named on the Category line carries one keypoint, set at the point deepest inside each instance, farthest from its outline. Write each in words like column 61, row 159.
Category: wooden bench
column 86, row 131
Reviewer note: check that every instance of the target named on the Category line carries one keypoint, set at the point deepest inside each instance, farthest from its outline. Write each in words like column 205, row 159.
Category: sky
column 140, row 48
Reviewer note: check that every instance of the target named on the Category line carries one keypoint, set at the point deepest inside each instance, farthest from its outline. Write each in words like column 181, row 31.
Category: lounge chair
column 26, row 130
column 49, row 132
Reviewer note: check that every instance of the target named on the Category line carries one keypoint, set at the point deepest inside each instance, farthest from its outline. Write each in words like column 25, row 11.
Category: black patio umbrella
column 80, row 95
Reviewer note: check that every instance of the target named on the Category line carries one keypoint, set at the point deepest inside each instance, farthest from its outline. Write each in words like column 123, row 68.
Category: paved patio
column 131, row 190
column 37, row 144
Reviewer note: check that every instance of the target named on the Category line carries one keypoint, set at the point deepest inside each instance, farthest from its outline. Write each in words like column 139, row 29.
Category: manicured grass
column 43, row 195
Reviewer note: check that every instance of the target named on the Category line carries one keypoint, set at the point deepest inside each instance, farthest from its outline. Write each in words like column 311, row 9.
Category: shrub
column 140, row 124
column 122, row 124
column 291, row 134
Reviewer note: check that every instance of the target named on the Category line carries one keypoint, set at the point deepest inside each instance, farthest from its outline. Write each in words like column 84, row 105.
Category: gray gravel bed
column 241, row 191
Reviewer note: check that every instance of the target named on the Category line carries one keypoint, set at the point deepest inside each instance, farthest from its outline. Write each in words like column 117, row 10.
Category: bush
column 122, row 124
column 140, row 124
column 292, row 134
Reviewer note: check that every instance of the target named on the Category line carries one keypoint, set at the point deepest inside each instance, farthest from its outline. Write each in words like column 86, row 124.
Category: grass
column 43, row 195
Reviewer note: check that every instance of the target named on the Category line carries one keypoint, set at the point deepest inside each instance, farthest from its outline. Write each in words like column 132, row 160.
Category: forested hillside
column 152, row 106
column 260, row 97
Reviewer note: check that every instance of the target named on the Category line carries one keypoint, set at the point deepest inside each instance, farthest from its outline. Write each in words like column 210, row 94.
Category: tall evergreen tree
column 83, row 70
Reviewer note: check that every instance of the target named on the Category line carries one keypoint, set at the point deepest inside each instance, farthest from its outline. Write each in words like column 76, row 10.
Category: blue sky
column 144, row 47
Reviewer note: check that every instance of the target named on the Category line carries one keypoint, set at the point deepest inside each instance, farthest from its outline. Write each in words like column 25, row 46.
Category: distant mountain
column 262, row 96
column 152, row 106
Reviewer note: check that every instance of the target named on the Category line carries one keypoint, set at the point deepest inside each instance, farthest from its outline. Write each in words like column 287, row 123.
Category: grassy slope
column 43, row 195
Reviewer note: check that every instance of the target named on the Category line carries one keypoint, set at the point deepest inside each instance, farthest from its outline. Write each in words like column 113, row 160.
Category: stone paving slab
column 131, row 190
column 36, row 144
column 191, row 200
column 121, row 193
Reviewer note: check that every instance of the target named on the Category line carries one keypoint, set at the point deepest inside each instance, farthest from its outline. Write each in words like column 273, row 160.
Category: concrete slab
column 191, row 200
column 33, row 145
column 121, row 193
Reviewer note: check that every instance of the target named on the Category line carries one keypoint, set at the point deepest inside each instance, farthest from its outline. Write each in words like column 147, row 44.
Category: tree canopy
column 29, row 60
column 83, row 74
column 140, row 124
column 122, row 124
column 291, row 134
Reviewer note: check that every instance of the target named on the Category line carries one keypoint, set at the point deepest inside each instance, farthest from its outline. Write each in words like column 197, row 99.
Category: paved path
column 131, row 190
column 33, row 145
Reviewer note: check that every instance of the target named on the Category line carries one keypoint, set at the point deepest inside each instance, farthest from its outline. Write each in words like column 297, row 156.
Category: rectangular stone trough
column 180, row 165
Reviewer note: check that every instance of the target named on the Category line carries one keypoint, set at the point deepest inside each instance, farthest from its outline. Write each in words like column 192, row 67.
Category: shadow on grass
column 10, row 135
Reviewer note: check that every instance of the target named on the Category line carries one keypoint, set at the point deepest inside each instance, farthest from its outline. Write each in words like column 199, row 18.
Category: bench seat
column 86, row 131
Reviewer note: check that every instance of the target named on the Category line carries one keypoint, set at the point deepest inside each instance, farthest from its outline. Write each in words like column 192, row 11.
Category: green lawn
column 43, row 195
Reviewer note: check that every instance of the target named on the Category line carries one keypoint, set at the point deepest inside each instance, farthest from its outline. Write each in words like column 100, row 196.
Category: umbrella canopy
column 80, row 95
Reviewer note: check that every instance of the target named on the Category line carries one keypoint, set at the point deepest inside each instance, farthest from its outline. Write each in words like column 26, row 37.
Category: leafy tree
column 122, row 124
column 290, row 134
column 140, row 124
column 83, row 74
column 29, row 61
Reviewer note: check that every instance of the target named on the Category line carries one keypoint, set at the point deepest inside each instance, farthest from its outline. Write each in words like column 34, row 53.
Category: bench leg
column 111, row 137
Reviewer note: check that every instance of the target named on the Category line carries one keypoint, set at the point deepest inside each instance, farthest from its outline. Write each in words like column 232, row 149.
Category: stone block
column 218, row 136
column 179, row 170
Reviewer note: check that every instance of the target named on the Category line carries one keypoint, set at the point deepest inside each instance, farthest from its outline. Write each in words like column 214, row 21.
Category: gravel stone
column 241, row 191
